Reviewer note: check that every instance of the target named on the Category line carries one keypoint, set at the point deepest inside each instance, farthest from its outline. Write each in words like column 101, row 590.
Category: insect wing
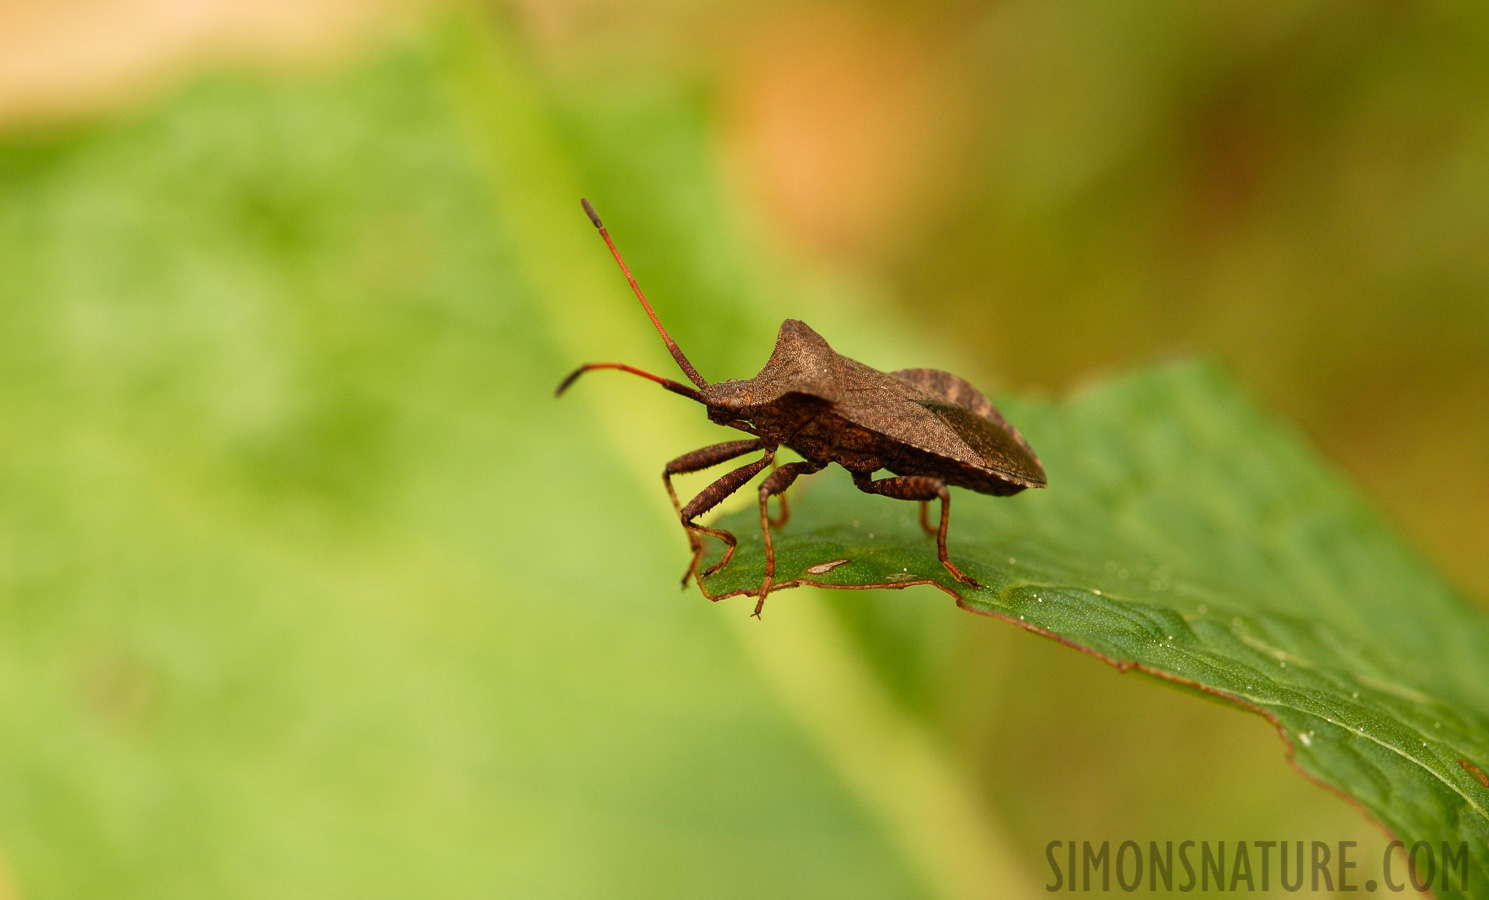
column 1000, row 447
column 903, row 418
column 977, row 422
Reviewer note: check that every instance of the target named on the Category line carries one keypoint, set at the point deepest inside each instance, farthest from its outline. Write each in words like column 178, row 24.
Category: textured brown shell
column 978, row 423
column 928, row 410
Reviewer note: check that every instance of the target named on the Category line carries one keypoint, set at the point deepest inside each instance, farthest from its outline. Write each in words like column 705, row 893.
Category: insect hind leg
column 923, row 488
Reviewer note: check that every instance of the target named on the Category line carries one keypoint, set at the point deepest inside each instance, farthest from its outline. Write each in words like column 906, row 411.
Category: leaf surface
column 302, row 591
column 1188, row 536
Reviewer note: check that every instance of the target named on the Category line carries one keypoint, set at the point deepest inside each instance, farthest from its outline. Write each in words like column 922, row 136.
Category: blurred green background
column 308, row 587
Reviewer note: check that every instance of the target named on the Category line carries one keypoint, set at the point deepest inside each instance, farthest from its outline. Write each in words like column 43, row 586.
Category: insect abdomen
column 957, row 474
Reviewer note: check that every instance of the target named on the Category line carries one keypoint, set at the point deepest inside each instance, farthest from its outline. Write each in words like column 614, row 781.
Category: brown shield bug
column 930, row 429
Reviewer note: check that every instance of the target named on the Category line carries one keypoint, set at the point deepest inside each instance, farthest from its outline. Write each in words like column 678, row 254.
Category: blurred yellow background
column 310, row 588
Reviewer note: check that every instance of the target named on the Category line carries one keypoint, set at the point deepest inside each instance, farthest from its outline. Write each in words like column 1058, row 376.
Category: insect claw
column 764, row 592
column 692, row 571
column 961, row 576
column 718, row 565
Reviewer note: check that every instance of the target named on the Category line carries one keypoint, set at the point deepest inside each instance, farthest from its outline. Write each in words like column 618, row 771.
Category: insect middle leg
column 697, row 461
column 776, row 484
column 785, row 510
column 923, row 488
column 712, row 496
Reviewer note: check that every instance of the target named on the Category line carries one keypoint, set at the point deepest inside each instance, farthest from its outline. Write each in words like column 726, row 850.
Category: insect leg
column 785, row 510
column 712, row 496
column 776, row 484
column 925, row 522
column 697, row 461
column 923, row 488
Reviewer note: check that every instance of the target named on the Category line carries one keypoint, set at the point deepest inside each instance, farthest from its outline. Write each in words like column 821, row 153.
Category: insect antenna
column 673, row 386
column 682, row 361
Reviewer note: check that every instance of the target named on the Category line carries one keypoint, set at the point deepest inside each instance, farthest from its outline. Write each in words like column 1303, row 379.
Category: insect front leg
column 923, row 488
column 697, row 461
column 776, row 484
column 712, row 496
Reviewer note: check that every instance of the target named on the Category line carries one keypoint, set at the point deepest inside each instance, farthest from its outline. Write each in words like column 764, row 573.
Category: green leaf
column 1185, row 535
column 289, row 599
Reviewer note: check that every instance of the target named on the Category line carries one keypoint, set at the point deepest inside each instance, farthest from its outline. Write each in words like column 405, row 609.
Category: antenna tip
column 573, row 376
column 590, row 211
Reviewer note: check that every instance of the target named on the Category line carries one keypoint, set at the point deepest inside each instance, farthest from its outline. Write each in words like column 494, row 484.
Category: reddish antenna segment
column 673, row 386
column 682, row 361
